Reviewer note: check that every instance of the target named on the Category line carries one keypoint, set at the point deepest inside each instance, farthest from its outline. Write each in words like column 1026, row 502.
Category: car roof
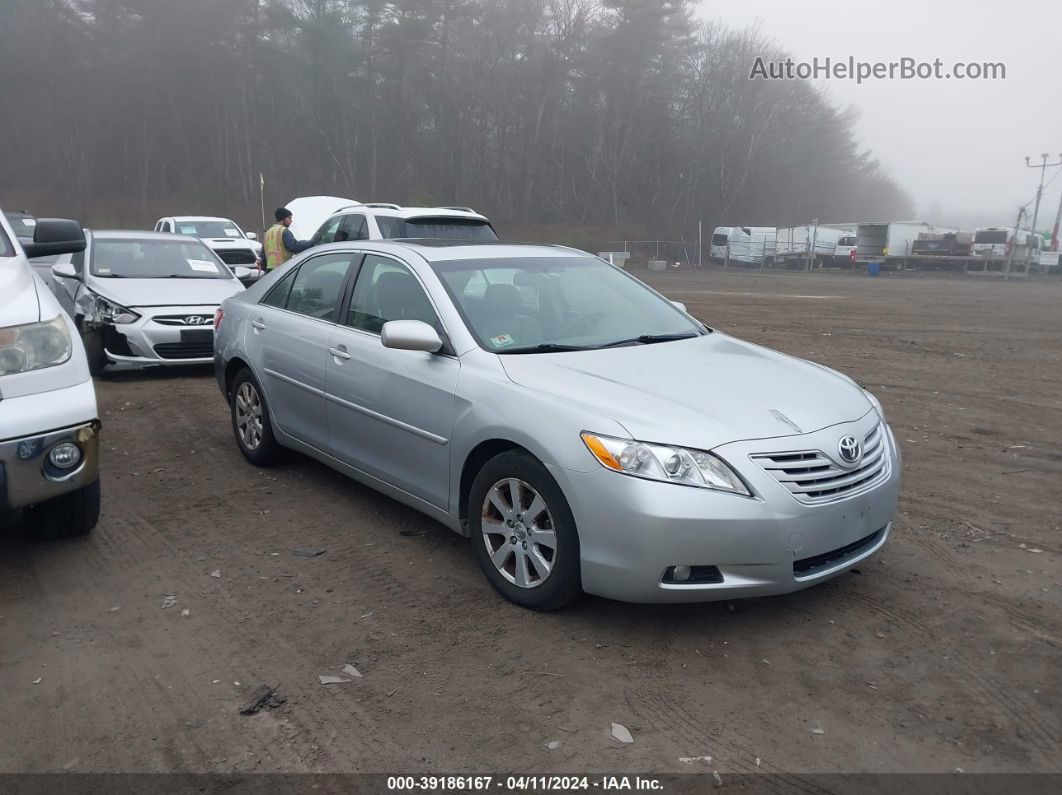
column 195, row 218
column 136, row 234
column 396, row 211
column 435, row 250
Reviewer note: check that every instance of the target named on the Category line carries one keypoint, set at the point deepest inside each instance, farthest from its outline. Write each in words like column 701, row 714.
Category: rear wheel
column 71, row 514
column 523, row 533
column 251, row 423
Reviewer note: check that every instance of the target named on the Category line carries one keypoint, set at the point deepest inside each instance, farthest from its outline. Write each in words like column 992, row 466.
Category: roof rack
column 461, row 209
column 385, row 205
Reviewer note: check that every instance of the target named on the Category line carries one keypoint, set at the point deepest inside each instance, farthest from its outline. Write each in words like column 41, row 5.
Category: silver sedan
column 586, row 433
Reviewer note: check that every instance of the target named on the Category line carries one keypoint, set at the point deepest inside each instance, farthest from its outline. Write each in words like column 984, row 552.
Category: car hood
column 699, row 393
column 133, row 293
column 309, row 212
column 20, row 304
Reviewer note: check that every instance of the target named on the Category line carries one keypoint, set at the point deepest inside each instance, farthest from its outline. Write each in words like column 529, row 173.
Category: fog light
column 65, row 455
column 680, row 573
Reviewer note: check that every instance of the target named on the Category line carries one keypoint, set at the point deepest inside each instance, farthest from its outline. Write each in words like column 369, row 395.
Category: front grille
column 185, row 350
column 193, row 320
column 237, row 256
column 808, row 566
column 814, row 478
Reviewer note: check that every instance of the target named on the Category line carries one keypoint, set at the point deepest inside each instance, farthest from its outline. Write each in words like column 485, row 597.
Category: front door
column 391, row 412
column 288, row 337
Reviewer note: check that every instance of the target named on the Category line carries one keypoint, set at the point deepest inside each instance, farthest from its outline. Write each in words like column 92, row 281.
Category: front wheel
column 523, row 533
column 72, row 514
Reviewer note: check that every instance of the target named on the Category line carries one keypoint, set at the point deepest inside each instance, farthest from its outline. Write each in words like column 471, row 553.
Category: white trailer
column 810, row 243
column 744, row 244
column 891, row 242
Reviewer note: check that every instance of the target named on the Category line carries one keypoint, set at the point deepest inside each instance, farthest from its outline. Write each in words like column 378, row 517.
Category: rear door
column 288, row 337
column 390, row 412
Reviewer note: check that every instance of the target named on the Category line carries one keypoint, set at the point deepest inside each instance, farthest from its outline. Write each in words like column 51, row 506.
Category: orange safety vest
column 275, row 253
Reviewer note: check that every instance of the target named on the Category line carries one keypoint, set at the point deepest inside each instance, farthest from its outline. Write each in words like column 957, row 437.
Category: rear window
column 393, row 227
column 991, row 236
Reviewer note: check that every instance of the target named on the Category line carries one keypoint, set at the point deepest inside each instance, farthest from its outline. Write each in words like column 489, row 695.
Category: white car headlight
column 34, row 346
column 110, row 312
column 666, row 463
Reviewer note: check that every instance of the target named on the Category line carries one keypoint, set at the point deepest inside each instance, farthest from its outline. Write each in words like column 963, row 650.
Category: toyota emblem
column 849, row 449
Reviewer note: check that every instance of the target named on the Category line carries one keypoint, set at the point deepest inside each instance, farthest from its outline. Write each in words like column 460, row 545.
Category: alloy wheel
column 249, row 416
column 519, row 533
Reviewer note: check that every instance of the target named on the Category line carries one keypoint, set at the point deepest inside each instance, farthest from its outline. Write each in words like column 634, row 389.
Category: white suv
column 383, row 221
column 49, row 427
column 223, row 236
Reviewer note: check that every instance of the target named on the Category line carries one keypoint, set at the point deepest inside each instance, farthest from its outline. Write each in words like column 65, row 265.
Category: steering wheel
column 583, row 324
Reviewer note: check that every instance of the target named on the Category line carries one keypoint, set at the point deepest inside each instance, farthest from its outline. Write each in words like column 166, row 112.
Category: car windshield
column 155, row 259
column 22, row 225
column 393, row 227
column 208, row 228
column 541, row 305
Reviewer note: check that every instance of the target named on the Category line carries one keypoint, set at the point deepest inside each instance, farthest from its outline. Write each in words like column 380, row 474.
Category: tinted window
column 719, row 239
column 386, row 290
column 316, row 287
column 155, row 259
column 328, row 230
column 278, row 296
column 354, row 228
column 392, row 227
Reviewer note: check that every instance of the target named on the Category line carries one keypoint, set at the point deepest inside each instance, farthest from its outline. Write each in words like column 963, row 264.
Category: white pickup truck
column 49, row 426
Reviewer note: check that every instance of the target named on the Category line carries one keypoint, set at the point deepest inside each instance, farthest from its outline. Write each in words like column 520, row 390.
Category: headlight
column 34, row 346
column 669, row 464
column 876, row 403
column 110, row 312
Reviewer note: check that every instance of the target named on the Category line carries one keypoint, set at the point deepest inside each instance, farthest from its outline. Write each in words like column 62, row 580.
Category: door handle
column 339, row 353
column 258, row 325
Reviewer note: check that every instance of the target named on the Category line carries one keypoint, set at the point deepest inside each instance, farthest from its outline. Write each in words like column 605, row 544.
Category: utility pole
column 1013, row 243
column 1054, row 232
column 1044, row 165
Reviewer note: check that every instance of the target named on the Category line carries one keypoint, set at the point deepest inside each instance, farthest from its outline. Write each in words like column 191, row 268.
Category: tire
column 97, row 357
column 255, row 436
column 561, row 584
column 72, row 514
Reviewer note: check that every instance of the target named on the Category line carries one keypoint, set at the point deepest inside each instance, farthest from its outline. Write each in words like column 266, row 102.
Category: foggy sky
column 958, row 147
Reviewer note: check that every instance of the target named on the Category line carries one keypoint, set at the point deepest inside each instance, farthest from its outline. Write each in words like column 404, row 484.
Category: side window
column 354, row 228
column 327, row 232
column 386, row 290
column 158, row 226
column 315, row 290
column 278, row 296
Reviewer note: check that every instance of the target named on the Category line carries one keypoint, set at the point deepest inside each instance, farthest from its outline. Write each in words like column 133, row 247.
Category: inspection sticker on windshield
column 188, row 230
column 206, row 266
column 501, row 340
column 232, row 232
column 30, row 222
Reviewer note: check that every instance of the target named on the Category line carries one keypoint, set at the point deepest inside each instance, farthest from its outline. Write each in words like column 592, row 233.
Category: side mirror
column 251, row 235
column 64, row 270
column 55, row 236
column 242, row 273
column 410, row 335
column 679, row 305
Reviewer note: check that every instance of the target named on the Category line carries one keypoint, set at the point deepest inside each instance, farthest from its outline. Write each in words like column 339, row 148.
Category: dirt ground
column 940, row 653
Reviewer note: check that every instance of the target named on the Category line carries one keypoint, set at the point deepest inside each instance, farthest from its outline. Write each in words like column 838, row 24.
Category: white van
column 747, row 244
column 49, row 426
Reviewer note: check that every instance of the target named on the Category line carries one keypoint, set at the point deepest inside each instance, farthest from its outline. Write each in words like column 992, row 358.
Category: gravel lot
column 940, row 653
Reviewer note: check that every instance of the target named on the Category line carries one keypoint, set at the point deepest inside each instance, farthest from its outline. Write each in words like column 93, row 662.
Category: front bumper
column 632, row 530
column 161, row 337
column 26, row 476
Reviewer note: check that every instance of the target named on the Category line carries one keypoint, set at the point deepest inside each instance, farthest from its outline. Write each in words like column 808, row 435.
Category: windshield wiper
column 546, row 347
column 649, row 339
column 185, row 276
